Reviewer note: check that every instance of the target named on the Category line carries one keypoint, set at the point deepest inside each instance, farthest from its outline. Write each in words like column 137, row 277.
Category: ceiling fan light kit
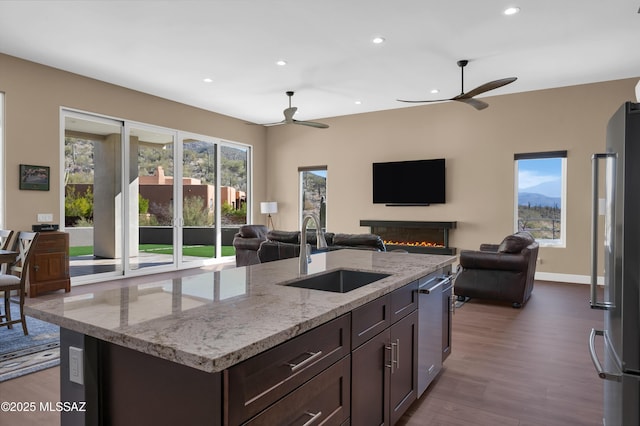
column 468, row 97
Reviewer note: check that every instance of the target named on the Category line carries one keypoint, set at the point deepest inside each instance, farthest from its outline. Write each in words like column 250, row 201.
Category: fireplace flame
column 413, row 243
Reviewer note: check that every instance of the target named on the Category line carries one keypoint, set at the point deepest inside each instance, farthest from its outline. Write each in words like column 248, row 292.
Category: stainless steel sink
column 339, row 281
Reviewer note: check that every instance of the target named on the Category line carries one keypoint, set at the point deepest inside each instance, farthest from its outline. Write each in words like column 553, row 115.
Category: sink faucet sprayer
column 305, row 249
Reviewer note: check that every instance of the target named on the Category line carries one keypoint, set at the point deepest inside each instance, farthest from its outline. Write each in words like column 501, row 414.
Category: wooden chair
column 15, row 278
column 5, row 240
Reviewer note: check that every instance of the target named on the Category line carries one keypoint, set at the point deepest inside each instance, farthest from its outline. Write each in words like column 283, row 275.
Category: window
column 541, row 196
column 313, row 193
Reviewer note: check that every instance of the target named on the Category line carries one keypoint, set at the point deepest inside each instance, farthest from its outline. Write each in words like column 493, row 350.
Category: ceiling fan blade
column 476, row 103
column 486, row 87
column 418, row 102
column 312, row 124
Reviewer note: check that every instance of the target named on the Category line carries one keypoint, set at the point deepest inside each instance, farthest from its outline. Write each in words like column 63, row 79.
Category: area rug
column 20, row 354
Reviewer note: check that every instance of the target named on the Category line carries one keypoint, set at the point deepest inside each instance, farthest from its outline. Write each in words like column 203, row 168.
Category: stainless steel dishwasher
column 430, row 314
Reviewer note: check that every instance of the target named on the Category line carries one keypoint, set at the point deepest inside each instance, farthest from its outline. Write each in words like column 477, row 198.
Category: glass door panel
column 199, row 159
column 92, row 194
column 151, row 198
column 234, row 183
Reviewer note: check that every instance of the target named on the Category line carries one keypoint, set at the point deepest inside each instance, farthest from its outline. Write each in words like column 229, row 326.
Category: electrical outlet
column 76, row 365
column 45, row 217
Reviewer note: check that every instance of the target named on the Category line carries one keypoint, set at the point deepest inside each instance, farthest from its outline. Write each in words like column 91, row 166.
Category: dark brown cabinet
column 49, row 269
column 257, row 383
column 383, row 368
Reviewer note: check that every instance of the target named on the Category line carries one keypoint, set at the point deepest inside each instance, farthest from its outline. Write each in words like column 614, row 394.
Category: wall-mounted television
column 417, row 182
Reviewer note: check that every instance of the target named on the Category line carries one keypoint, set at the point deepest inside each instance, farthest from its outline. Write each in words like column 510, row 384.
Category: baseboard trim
column 567, row 278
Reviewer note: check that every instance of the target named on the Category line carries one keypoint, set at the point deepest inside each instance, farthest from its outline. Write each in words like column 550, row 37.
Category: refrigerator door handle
column 595, row 159
column 594, row 356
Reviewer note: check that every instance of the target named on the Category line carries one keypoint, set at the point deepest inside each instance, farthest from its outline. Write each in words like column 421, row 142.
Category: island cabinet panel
column 255, row 384
column 140, row 389
column 370, row 381
column 324, row 400
column 384, row 368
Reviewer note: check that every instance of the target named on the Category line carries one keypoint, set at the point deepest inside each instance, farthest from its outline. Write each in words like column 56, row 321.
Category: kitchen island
column 179, row 340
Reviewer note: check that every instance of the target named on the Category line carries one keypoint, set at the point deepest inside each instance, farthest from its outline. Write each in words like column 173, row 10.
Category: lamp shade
column 268, row 207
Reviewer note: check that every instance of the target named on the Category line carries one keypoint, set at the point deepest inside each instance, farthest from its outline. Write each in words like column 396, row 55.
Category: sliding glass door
column 151, row 208
column 130, row 208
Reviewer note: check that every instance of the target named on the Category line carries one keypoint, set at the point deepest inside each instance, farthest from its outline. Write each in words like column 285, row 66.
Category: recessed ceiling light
column 434, row 91
column 358, row 102
column 377, row 40
column 207, row 80
column 281, row 63
column 511, row 11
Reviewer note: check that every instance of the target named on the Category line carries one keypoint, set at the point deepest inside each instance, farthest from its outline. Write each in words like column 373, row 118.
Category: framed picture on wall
column 34, row 177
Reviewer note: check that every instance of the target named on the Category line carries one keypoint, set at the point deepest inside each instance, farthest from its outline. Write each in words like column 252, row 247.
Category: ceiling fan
column 468, row 97
column 288, row 117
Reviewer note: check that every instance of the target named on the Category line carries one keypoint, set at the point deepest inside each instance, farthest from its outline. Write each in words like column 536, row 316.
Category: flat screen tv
column 418, row 182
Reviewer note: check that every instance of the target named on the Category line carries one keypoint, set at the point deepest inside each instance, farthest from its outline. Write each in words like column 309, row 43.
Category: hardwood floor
column 525, row 367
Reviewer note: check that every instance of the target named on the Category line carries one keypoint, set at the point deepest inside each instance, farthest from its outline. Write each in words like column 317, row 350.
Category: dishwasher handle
column 441, row 280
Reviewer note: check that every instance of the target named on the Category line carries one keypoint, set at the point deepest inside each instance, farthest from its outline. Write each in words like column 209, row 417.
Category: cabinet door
column 404, row 379
column 370, row 371
column 49, row 266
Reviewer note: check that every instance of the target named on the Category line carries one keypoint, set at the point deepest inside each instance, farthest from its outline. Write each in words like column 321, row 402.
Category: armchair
column 500, row 272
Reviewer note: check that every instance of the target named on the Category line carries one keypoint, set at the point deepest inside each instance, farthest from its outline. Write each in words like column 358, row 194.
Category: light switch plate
column 45, row 217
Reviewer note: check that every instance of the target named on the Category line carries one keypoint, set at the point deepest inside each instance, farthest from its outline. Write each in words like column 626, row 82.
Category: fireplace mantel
column 407, row 235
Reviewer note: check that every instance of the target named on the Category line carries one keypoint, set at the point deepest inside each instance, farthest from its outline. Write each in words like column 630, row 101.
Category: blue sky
column 543, row 176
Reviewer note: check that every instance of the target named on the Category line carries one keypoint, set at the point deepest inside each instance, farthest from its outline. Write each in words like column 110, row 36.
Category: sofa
column 256, row 244
column 502, row 271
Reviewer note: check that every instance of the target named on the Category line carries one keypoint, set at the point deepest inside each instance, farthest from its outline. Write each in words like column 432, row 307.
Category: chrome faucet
column 305, row 249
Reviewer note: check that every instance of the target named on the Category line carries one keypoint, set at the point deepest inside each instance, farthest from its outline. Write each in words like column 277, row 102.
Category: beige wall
column 34, row 95
column 479, row 148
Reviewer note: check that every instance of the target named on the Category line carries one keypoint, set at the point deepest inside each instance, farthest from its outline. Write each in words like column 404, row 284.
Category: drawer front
column 323, row 400
column 258, row 382
column 404, row 301
column 48, row 243
column 369, row 320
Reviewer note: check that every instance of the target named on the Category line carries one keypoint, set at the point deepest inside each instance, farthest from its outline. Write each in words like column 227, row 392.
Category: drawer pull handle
column 390, row 349
column 394, row 348
column 314, row 356
column 313, row 418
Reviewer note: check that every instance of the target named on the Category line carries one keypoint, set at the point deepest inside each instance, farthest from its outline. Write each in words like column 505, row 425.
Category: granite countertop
column 211, row 320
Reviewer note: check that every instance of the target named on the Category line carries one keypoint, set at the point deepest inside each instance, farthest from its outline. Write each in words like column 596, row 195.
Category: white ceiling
column 167, row 48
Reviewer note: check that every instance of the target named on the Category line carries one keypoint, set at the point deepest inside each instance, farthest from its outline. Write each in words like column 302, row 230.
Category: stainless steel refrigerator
column 617, row 358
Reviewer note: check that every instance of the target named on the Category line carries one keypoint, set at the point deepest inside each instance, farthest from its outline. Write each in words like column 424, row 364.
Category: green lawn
column 198, row 251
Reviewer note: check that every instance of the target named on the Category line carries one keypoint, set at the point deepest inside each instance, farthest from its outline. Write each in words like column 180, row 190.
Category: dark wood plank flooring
column 527, row 367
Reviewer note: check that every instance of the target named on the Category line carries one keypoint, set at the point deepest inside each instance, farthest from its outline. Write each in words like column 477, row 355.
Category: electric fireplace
column 414, row 237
